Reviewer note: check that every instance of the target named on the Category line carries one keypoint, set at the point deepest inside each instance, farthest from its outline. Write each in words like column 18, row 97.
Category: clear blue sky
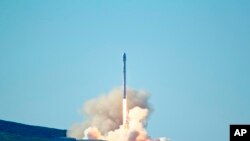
column 192, row 56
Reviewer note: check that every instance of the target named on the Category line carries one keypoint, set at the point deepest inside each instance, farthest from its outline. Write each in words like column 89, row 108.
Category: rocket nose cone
column 124, row 56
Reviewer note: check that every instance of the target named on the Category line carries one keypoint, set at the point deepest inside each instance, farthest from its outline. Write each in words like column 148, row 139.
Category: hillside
column 28, row 130
column 12, row 131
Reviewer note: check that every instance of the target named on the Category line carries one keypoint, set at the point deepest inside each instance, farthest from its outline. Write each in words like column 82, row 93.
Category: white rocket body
column 124, row 109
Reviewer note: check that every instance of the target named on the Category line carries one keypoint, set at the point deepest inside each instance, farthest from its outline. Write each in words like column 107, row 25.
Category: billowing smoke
column 104, row 118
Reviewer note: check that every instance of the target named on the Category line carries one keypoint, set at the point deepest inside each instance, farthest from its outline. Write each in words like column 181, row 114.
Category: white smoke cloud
column 104, row 118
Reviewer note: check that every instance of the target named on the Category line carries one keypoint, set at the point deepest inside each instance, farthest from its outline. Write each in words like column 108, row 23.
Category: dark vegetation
column 12, row 131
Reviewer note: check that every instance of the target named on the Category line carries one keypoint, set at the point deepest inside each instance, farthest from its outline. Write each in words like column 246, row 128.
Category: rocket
column 124, row 76
column 124, row 100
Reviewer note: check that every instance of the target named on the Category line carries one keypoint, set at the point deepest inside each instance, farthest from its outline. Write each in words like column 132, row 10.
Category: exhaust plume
column 104, row 118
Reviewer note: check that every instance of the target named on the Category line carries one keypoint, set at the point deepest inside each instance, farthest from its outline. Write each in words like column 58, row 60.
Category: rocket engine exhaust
column 124, row 100
column 105, row 122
